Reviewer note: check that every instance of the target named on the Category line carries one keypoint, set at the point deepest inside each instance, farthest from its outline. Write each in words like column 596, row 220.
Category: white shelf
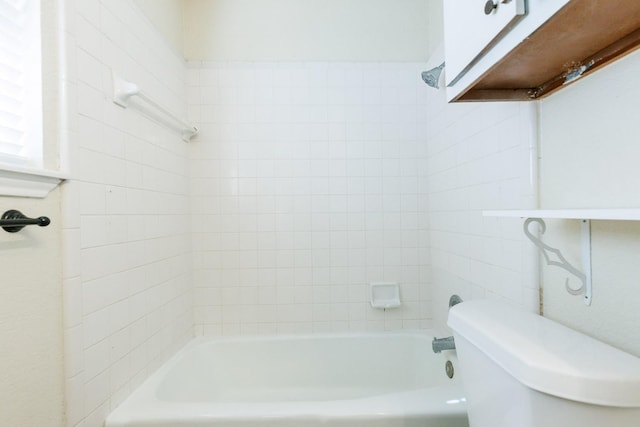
column 596, row 214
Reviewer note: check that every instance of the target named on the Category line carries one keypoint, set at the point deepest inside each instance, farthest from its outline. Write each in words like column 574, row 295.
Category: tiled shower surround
column 311, row 180
column 126, row 243
column 308, row 182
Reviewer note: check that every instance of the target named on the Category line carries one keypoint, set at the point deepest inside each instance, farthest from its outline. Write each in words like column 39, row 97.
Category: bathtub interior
column 356, row 380
column 302, row 369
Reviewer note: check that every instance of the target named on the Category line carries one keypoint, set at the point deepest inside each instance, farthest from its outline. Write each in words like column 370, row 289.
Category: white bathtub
column 364, row 380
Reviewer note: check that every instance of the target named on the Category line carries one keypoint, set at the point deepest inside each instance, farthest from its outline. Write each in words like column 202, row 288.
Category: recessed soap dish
column 385, row 295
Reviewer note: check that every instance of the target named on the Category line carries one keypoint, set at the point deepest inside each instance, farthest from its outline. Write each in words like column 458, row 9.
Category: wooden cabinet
column 552, row 45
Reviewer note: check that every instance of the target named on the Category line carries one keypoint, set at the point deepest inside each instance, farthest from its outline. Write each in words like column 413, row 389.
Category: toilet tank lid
column 547, row 356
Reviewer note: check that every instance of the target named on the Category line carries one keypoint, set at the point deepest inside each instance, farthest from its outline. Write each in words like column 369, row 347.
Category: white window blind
column 20, row 83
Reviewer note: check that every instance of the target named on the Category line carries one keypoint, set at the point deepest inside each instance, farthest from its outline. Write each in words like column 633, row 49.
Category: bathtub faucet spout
column 439, row 344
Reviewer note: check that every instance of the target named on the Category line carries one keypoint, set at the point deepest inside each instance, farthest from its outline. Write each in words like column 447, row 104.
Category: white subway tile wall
column 480, row 156
column 127, row 273
column 308, row 182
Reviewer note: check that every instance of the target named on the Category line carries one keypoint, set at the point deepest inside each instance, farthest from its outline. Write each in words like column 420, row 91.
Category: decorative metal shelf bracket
column 555, row 258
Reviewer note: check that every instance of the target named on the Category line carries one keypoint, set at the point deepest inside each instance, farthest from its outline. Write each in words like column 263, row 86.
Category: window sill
column 23, row 182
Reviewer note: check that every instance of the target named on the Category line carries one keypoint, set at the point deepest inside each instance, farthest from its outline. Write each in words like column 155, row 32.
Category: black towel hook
column 13, row 221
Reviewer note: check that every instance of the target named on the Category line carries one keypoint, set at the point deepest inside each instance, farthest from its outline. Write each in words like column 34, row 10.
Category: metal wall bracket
column 13, row 221
column 554, row 257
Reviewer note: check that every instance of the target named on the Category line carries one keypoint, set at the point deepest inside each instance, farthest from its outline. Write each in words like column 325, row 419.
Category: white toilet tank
column 523, row 370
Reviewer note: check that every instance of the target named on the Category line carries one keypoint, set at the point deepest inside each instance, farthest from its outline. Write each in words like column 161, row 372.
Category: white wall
column 126, row 243
column 589, row 158
column 308, row 183
column 293, row 30
column 435, row 29
column 479, row 157
column 31, row 318
column 166, row 16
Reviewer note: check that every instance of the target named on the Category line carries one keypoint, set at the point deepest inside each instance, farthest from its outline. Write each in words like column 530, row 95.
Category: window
column 20, row 83
column 22, row 171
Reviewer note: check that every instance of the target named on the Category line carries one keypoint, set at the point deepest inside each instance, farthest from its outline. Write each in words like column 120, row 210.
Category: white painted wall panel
column 31, row 360
column 293, row 30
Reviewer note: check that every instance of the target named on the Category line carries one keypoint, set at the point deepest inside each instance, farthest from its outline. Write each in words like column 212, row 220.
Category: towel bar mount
column 13, row 221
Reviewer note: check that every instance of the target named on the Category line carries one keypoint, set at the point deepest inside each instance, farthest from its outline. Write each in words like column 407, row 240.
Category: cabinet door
column 472, row 27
